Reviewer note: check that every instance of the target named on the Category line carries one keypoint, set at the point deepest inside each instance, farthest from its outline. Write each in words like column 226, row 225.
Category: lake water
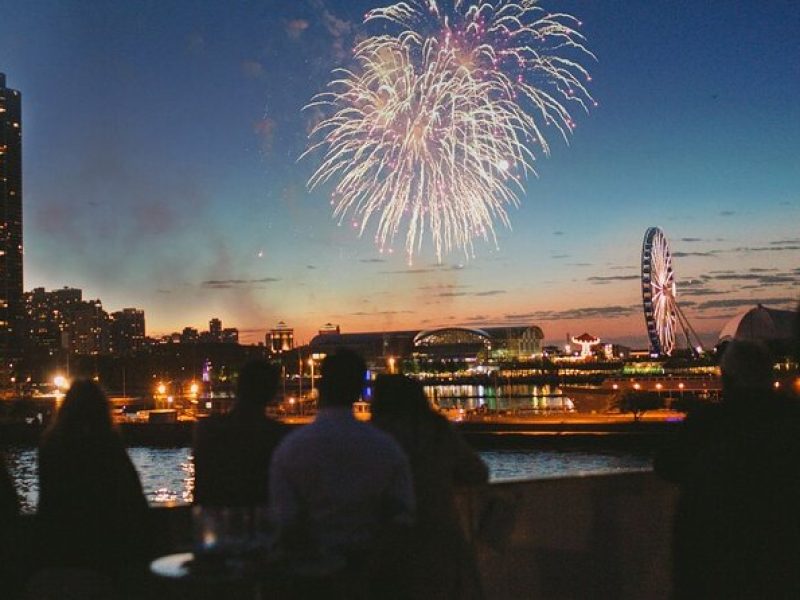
column 534, row 399
column 167, row 474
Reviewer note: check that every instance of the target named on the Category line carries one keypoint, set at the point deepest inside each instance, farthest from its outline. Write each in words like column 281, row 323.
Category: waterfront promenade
column 484, row 427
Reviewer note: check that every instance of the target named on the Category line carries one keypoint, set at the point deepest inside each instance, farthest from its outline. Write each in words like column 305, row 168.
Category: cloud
column 558, row 233
column 195, row 43
column 443, row 286
column 372, row 260
column 422, row 270
column 764, row 279
column 222, row 284
column 382, row 313
column 295, row 28
column 777, row 248
column 727, row 213
column 595, row 312
column 739, row 302
column 419, row 271
column 310, row 267
column 252, row 69
column 699, row 291
column 691, row 239
column 610, row 278
column 265, row 130
column 785, row 242
column 340, row 31
column 687, row 254
column 475, row 294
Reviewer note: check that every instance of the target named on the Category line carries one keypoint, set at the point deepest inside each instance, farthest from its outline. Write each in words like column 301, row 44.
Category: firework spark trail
column 432, row 126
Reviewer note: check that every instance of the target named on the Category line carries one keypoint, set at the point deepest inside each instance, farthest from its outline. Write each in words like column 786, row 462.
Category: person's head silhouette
column 257, row 384
column 85, row 410
column 397, row 396
column 342, row 378
column 747, row 371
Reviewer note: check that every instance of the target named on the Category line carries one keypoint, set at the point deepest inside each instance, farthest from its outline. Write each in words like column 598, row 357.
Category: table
column 243, row 581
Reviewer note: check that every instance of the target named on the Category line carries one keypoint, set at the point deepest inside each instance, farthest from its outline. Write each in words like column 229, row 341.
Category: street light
column 310, row 364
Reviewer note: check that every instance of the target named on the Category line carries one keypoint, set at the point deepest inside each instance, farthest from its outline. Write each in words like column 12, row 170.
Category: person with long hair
column 442, row 564
column 92, row 512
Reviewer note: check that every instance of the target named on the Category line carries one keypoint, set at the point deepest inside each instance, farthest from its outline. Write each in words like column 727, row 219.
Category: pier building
column 449, row 344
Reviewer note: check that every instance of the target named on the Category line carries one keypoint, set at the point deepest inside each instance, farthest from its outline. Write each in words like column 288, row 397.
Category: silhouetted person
column 232, row 452
column 441, row 562
column 92, row 512
column 737, row 525
column 338, row 486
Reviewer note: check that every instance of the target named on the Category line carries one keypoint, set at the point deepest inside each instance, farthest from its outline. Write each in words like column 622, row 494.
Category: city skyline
column 173, row 185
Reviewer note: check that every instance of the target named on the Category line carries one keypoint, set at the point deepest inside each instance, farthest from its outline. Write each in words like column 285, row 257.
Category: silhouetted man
column 232, row 453
column 737, row 526
column 338, row 485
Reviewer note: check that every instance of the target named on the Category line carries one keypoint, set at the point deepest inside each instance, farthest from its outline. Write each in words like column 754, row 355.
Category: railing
column 599, row 536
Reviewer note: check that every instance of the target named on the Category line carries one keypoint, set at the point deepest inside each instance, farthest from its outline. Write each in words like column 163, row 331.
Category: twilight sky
column 161, row 143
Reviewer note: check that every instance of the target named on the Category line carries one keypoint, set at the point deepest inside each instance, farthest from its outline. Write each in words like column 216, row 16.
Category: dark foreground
column 603, row 536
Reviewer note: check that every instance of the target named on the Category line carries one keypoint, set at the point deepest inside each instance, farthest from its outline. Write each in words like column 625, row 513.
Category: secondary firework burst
column 433, row 130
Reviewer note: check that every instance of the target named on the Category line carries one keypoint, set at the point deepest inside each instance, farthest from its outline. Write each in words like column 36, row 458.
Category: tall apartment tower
column 11, row 299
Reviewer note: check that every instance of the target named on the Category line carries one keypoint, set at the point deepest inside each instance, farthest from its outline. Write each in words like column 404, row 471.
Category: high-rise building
column 215, row 330
column 43, row 330
column 190, row 335
column 89, row 332
column 230, row 335
column 127, row 331
column 12, row 309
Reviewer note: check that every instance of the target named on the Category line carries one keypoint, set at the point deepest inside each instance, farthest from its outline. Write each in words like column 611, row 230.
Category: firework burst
column 433, row 128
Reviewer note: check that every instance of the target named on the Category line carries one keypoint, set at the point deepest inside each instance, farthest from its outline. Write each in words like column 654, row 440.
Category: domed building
column 760, row 323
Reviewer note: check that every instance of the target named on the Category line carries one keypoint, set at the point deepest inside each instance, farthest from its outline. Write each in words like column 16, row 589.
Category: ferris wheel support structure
column 662, row 314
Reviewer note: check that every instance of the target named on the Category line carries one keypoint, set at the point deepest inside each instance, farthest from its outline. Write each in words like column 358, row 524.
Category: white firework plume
column 428, row 130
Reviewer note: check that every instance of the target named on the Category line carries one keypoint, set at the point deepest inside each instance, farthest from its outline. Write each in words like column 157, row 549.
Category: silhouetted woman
column 92, row 512
column 442, row 562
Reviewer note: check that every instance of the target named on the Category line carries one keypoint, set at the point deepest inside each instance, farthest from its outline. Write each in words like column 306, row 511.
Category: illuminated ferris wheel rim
column 659, row 291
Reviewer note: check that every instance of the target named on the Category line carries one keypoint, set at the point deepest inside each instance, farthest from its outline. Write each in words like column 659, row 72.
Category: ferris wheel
column 662, row 314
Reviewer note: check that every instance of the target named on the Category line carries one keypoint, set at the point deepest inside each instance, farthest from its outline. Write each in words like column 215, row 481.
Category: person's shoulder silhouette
column 737, row 527
column 92, row 511
column 232, row 453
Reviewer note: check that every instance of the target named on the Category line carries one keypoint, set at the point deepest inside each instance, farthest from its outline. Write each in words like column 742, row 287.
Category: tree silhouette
column 637, row 402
